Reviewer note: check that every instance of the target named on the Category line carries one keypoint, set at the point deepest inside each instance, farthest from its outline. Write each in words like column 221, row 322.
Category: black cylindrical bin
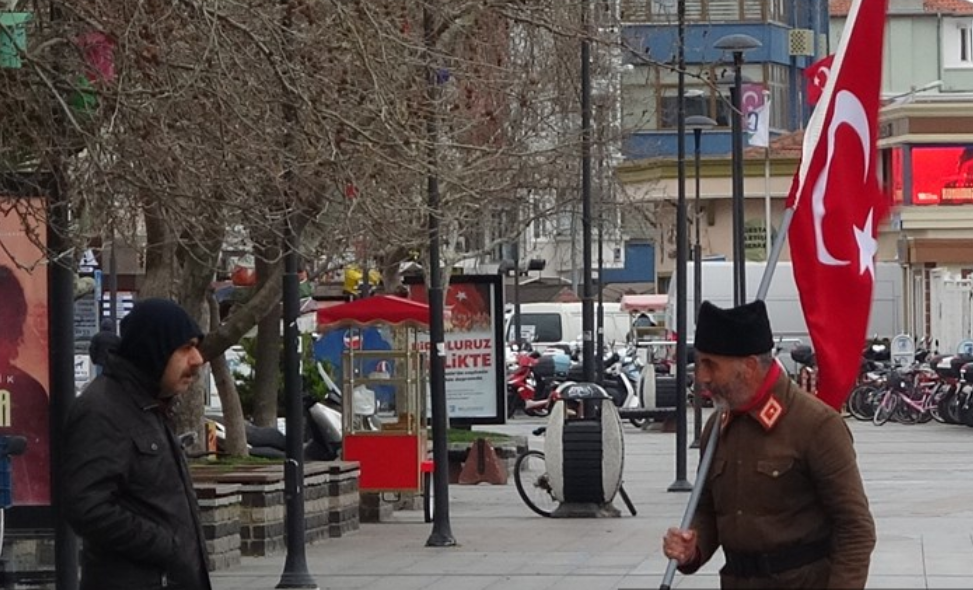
column 584, row 447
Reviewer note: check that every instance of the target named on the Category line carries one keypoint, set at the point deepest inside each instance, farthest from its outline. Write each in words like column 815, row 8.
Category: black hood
column 152, row 331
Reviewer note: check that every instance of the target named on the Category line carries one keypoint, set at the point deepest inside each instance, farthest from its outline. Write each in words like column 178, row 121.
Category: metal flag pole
column 767, row 227
column 785, row 224
column 687, row 517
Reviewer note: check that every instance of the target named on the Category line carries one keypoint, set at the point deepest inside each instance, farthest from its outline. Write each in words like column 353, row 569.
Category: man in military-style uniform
column 783, row 497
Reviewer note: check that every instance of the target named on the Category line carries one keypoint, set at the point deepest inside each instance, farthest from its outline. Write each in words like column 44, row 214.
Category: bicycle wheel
column 640, row 422
column 861, row 402
column 934, row 405
column 906, row 414
column 530, row 476
column 953, row 403
column 885, row 408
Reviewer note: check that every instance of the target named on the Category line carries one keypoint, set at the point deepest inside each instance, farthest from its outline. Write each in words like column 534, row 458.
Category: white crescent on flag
column 821, row 76
column 848, row 110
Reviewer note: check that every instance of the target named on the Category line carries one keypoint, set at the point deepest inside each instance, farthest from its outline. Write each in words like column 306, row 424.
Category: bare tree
column 229, row 116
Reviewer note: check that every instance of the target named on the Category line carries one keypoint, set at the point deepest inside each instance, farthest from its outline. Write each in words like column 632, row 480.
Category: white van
column 544, row 324
column 783, row 301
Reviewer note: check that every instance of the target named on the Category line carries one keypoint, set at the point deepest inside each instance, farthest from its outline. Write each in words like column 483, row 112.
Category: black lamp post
column 698, row 124
column 587, row 296
column 682, row 246
column 518, row 337
column 737, row 44
column 442, row 533
column 296, row 573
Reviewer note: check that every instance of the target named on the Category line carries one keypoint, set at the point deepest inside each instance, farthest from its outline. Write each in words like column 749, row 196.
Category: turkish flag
column 817, row 75
column 838, row 204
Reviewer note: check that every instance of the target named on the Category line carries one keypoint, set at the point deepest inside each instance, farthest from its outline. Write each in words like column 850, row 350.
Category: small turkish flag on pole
column 838, row 204
column 817, row 76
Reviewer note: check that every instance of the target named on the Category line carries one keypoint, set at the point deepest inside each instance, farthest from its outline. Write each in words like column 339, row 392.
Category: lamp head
column 737, row 43
column 699, row 123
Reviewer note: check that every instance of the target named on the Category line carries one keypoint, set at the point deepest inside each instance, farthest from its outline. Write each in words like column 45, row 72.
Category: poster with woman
column 24, row 373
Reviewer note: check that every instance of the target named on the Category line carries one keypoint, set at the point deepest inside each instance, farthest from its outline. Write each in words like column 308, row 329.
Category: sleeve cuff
column 693, row 564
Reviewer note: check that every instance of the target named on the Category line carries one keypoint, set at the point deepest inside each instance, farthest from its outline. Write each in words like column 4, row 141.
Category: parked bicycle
column 534, row 484
column 907, row 399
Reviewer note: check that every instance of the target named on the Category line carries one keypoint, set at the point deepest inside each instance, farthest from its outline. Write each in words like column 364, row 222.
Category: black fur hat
column 738, row 331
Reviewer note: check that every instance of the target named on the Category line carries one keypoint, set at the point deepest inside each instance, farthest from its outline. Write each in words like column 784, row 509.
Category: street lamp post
column 442, row 533
column 737, row 44
column 698, row 123
column 587, row 297
column 682, row 246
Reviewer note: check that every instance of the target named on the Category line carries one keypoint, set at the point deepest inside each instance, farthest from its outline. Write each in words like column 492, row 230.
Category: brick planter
column 219, row 511
column 330, row 510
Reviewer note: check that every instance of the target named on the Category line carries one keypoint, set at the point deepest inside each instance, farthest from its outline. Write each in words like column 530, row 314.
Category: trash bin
column 584, row 447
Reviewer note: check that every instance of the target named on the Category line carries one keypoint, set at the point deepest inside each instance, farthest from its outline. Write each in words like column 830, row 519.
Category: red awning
column 380, row 309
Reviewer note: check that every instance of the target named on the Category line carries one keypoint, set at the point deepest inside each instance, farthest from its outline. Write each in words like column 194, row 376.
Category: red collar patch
column 769, row 414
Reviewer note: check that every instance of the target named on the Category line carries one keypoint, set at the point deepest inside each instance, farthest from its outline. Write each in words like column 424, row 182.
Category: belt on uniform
column 761, row 565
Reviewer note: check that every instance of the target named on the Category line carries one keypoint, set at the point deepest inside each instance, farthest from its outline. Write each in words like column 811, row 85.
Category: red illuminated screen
column 942, row 175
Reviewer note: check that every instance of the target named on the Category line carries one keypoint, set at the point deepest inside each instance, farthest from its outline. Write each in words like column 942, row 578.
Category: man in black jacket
column 128, row 492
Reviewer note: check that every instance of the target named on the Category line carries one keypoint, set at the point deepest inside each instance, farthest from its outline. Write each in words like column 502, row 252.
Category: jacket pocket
column 775, row 468
column 148, row 445
column 153, row 467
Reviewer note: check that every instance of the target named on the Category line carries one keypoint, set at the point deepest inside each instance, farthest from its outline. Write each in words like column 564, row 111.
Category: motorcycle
column 322, row 425
column 623, row 371
column 529, row 381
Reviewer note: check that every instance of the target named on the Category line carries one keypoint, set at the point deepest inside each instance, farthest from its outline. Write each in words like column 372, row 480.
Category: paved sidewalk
column 918, row 479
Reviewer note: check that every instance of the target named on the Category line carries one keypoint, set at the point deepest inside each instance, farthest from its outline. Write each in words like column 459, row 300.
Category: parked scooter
column 530, row 378
column 623, row 371
column 322, row 425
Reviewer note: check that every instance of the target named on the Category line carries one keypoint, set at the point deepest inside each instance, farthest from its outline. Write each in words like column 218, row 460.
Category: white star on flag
column 867, row 246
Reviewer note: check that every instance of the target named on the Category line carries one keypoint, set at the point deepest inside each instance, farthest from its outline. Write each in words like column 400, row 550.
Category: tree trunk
column 267, row 369
column 159, row 256
column 233, row 423
column 267, row 350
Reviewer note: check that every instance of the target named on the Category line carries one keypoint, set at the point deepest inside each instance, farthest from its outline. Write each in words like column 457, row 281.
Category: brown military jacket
column 785, row 474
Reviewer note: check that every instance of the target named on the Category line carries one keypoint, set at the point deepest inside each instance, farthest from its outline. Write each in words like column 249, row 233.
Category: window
column 663, row 11
column 698, row 102
column 695, row 105
column 780, row 11
column 778, row 82
column 964, row 44
column 544, row 327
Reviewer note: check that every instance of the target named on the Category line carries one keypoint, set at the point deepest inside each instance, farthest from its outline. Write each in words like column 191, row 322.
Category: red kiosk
column 393, row 457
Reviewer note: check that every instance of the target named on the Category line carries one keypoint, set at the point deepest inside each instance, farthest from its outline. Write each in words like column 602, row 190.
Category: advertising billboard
column 942, row 175
column 475, row 382
column 24, row 361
